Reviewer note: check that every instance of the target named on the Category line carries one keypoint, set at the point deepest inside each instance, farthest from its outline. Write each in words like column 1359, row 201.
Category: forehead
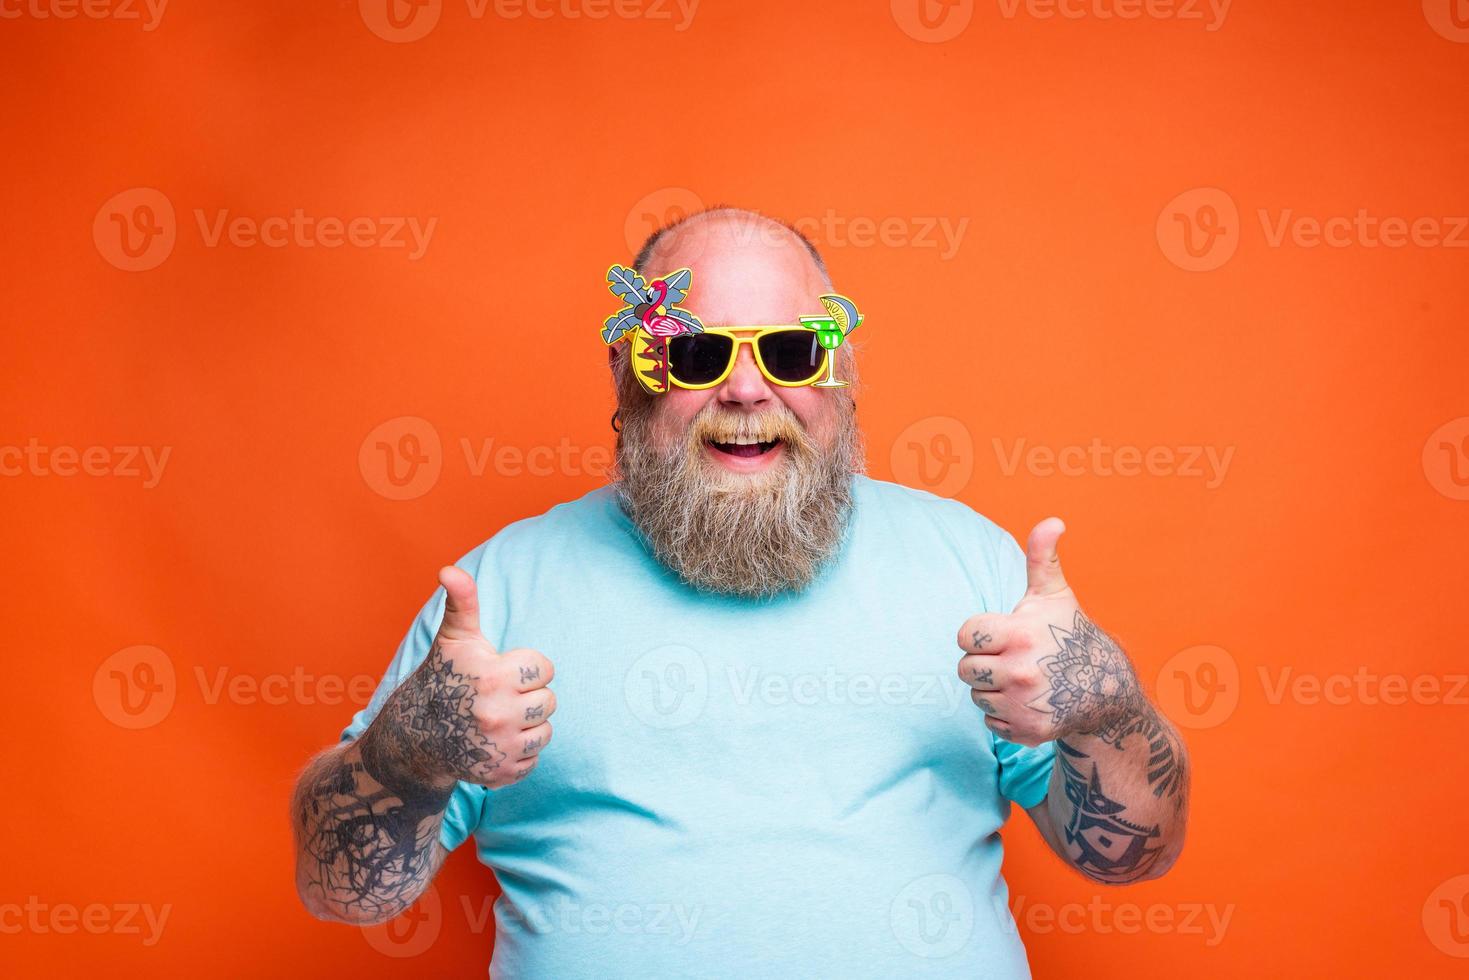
column 743, row 273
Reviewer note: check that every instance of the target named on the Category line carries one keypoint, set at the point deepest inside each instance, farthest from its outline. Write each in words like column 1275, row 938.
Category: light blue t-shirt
column 735, row 789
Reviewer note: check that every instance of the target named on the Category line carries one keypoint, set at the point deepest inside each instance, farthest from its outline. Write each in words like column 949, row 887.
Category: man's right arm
column 367, row 814
column 367, row 843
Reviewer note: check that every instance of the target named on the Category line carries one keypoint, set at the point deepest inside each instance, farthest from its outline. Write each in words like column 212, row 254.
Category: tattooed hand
column 467, row 713
column 1046, row 671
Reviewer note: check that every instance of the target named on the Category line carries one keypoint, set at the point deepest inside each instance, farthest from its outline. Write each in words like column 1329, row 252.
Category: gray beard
column 751, row 535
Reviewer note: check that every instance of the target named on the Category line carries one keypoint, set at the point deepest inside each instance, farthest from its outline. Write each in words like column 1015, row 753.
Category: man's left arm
column 1118, row 798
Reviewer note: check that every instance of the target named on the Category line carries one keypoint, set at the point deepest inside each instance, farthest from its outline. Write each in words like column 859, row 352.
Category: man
column 765, row 765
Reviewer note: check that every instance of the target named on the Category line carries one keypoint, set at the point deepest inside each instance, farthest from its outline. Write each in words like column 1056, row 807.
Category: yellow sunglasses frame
column 734, row 357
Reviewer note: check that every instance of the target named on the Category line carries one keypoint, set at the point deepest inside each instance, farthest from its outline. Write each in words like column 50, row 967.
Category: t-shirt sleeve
column 467, row 801
column 1025, row 773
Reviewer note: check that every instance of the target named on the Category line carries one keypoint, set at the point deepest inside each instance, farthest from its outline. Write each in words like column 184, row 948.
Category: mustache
column 716, row 424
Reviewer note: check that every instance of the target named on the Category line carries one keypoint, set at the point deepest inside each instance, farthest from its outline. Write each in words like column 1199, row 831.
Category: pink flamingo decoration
column 661, row 324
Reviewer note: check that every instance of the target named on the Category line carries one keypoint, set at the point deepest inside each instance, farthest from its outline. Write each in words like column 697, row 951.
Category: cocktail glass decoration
column 831, row 332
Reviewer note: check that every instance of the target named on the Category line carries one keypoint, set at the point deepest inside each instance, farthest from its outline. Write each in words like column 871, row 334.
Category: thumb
column 461, row 603
column 1042, row 563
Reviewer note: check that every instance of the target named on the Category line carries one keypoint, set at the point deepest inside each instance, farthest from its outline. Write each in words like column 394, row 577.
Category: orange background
column 544, row 148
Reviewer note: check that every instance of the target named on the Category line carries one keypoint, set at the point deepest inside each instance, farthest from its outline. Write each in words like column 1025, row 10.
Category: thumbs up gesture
column 1044, row 670
column 467, row 713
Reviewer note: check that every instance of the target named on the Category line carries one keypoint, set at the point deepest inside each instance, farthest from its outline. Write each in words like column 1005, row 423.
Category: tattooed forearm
column 367, row 815
column 366, row 850
column 1106, row 846
column 1094, row 690
column 1167, row 761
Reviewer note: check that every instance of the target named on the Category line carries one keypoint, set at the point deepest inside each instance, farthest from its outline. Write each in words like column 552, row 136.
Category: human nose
column 745, row 386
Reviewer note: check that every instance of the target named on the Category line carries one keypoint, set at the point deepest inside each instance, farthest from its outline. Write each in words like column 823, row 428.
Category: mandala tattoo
column 1094, row 689
column 1091, row 680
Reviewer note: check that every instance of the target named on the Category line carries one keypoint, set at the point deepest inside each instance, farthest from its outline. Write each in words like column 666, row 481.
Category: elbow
column 1151, row 868
column 316, row 902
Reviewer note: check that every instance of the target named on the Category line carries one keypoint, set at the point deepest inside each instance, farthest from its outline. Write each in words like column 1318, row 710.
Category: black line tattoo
column 528, row 674
column 370, row 826
column 984, row 676
column 1092, row 681
column 1109, row 847
column 980, row 639
column 1167, row 765
column 531, row 714
column 1094, row 690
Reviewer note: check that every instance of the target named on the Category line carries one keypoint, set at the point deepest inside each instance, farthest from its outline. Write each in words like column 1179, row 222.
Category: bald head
column 748, row 268
column 750, row 224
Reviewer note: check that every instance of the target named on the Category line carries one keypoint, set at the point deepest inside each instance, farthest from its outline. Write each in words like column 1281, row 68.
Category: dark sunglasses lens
column 791, row 356
column 697, row 359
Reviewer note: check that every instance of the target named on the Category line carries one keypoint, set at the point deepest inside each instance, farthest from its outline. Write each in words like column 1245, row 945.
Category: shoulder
column 578, row 524
column 909, row 505
column 948, row 534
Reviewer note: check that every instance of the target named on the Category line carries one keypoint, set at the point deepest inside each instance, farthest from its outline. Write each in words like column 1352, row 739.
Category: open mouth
column 746, row 448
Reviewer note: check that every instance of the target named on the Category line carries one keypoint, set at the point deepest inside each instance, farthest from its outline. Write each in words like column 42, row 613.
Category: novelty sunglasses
column 669, row 344
column 787, row 356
